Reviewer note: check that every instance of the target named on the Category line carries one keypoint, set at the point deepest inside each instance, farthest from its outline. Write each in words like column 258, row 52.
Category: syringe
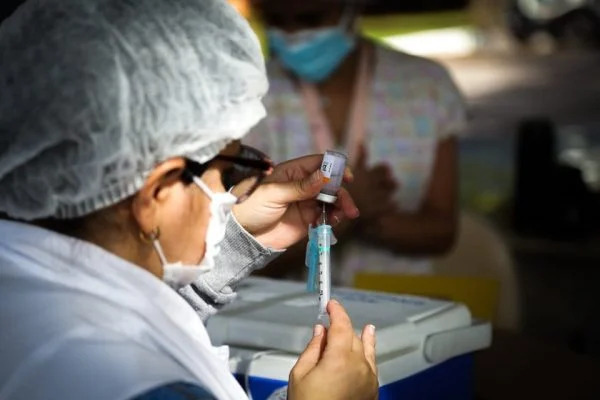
column 321, row 237
column 324, row 245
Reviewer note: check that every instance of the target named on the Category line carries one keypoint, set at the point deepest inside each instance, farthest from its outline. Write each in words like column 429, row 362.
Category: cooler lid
column 275, row 314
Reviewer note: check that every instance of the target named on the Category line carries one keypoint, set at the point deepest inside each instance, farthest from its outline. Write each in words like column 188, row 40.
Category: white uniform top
column 77, row 322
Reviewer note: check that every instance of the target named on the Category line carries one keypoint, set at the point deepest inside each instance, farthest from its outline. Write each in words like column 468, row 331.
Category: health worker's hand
column 336, row 364
column 279, row 211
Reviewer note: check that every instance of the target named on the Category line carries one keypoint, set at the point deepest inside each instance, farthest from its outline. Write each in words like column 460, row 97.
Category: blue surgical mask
column 313, row 54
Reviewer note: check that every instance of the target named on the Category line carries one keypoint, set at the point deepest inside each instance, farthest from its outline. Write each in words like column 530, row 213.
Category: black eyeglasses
column 247, row 170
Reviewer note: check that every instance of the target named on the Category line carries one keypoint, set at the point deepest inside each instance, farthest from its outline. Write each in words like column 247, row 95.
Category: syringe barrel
column 333, row 166
column 324, row 243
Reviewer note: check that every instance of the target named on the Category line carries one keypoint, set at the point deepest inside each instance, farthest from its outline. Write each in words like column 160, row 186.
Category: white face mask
column 178, row 275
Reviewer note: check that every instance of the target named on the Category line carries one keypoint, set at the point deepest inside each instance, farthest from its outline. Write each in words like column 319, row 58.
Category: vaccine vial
column 333, row 166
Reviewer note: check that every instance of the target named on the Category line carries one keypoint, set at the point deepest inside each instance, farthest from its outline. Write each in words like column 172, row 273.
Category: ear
column 156, row 190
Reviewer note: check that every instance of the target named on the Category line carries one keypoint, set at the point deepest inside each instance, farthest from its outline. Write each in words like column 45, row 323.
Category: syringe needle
column 323, row 219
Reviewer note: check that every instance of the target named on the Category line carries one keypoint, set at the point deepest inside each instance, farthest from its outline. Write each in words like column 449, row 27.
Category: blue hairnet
column 95, row 93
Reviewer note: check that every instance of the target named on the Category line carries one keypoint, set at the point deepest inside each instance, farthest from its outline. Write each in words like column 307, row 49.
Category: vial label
column 327, row 166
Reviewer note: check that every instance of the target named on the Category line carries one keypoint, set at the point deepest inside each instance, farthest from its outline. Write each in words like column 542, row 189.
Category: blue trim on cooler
column 450, row 380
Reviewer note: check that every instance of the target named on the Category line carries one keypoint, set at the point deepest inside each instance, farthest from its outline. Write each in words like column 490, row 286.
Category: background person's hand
column 372, row 189
column 278, row 213
column 336, row 364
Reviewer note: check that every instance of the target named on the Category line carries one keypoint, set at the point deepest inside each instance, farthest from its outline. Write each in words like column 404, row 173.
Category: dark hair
column 71, row 227
column 80, row 227
column 8, row 7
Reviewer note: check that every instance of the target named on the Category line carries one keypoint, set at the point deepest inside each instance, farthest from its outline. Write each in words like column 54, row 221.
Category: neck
column 102, row 230
column 338, row 81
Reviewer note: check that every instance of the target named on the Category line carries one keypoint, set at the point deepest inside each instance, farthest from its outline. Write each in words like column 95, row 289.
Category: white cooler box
column 424, row 346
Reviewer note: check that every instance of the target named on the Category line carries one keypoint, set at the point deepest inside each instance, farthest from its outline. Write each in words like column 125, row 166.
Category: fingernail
column 336, row 220
column 371, row 328
column 334, row 301
column 349, row 173
column 317, row 176
column 317, row 330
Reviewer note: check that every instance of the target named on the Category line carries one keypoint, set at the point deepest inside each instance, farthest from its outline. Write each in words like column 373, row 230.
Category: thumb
column 368, row 340
column 303, row 189
column 311, row 355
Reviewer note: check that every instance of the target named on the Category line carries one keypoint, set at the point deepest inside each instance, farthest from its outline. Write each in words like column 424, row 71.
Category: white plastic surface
column 279, row 315
column 442, row 346
column 271, row 322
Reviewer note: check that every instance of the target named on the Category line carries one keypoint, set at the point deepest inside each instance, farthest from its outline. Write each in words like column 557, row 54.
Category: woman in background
column 395, row 115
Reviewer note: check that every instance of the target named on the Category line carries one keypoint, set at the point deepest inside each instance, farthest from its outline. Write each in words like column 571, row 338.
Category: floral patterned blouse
column 413, row 105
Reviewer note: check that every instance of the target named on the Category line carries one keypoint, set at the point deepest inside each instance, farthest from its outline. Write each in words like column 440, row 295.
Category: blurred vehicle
column 567, row 21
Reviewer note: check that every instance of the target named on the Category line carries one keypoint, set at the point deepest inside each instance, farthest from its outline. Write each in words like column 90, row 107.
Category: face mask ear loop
column 159, row 251
column 153, row 238
column 204, row 187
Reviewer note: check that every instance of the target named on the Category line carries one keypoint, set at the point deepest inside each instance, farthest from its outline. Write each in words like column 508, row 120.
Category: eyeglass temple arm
column 246, row 162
